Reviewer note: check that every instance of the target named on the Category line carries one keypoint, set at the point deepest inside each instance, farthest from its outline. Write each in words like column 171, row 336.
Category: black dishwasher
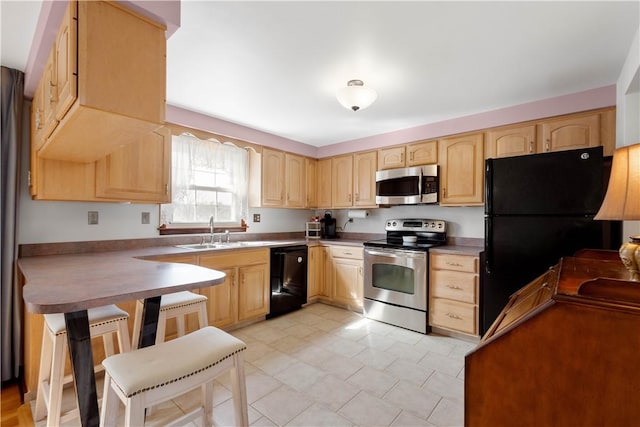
column 288, row 279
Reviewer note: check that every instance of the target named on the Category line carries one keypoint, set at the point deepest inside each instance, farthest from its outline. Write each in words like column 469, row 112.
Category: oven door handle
column 395, row 253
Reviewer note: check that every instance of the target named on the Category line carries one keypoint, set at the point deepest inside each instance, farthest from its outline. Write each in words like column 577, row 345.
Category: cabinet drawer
column 454, row 285
column 234, row 258
column 346, row 252
column 454, row 262
column 453, row 315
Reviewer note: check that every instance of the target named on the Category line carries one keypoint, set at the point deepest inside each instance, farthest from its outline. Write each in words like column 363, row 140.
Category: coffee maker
column 328, row 226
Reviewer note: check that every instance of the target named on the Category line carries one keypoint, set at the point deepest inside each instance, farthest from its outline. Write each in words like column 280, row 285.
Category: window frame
column 198, row 227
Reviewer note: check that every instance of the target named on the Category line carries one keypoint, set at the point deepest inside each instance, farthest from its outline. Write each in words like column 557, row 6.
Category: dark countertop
column 457, row 249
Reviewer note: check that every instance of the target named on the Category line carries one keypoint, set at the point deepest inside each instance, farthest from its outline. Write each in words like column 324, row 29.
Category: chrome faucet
column 211, row 228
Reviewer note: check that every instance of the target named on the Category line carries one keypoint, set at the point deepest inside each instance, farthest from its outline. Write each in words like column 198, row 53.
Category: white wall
column 461, row 221
column 628, row 112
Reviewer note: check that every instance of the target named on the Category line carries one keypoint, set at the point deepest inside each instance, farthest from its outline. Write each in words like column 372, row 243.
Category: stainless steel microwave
column 407, row 186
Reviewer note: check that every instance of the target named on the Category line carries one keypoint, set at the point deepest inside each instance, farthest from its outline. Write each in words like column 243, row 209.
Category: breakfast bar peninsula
column 72, row 284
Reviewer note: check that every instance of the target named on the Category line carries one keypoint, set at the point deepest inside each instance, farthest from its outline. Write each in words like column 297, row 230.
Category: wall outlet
column 146, row 217
column 256, row 217
column 92, row 217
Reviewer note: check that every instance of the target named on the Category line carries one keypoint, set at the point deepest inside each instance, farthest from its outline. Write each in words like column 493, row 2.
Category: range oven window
column 394, row 278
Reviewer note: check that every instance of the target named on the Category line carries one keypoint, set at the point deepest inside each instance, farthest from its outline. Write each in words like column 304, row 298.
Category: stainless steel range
column 396, row 271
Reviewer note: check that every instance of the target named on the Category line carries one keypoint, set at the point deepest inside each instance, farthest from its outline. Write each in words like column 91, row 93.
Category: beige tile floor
column 324, row 366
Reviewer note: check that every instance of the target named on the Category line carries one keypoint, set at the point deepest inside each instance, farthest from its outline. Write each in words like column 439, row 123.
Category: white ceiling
column 275, row 66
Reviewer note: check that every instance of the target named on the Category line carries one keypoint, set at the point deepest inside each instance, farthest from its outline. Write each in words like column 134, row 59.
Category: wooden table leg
column 149, row 324
column 79, row 339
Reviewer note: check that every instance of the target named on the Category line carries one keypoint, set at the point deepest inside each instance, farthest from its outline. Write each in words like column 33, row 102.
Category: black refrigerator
column 539, row 208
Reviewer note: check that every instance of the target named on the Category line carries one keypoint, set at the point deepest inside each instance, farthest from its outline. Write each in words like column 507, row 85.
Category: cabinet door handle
column 453, row 264
column 531, row 146
column 37, row 119
column 547, row 144
column 401, row 157
column 357, row 197
column 455, row 287
column 411, row 155
column 454, row 316
column 166, row 189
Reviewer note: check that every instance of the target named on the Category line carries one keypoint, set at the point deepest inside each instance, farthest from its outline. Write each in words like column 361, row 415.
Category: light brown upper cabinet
column 295, row 179
column 461, row 161
column 422, row 153
column 272, row 178
column 278, row 179
column 414, row 154
column 311, row 166
column 570, row 133
column 364, row 179
column 109, row 82
column 66, row 65
column 140, row 171
column 510, row 141
column 324, row 186
column 390, row 158
column 342, row 181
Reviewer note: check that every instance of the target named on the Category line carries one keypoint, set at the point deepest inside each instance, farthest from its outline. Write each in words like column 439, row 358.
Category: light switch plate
column 146, row 217
column 256, row 217
column 92, row 217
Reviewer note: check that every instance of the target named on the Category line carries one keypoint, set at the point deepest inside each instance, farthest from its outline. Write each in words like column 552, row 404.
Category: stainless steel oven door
column 396, row 276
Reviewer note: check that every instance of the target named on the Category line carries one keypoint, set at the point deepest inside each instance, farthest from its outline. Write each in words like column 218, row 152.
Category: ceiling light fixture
column 355, row 96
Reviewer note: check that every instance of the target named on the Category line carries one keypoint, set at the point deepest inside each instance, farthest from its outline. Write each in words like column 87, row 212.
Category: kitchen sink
column 209, row 246
column 200, row 246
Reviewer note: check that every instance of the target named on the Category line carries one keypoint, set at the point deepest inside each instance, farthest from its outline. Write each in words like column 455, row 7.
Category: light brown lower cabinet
column 245, row 293
column 335, row 275
column 453, row 292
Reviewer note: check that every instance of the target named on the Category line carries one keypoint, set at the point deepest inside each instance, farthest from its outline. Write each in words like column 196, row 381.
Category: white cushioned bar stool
column 176, row 305
column 152, row 375
column 103, row 322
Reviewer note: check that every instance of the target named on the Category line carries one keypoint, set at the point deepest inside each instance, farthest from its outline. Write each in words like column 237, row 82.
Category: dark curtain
column 11, row 324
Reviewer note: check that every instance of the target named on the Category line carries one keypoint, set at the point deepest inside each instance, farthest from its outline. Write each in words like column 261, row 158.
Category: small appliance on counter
column 313, row 230
column 328, row 226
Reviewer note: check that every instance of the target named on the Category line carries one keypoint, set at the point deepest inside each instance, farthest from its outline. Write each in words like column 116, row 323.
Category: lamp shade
column 355, row 96
column 622, row 201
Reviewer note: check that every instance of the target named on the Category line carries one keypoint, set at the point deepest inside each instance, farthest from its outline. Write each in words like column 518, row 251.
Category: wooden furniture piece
column 103, row 322
column 72, row 284
column 152, row 375
column 563, row 352
column 173, row 306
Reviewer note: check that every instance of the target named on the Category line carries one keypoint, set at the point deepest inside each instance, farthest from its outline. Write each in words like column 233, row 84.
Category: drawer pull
column 454, row 287
column 454, row 264
column 454, row 316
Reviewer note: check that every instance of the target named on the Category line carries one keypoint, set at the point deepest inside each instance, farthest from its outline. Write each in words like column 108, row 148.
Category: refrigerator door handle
column 488, row 244
column 488, row 187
